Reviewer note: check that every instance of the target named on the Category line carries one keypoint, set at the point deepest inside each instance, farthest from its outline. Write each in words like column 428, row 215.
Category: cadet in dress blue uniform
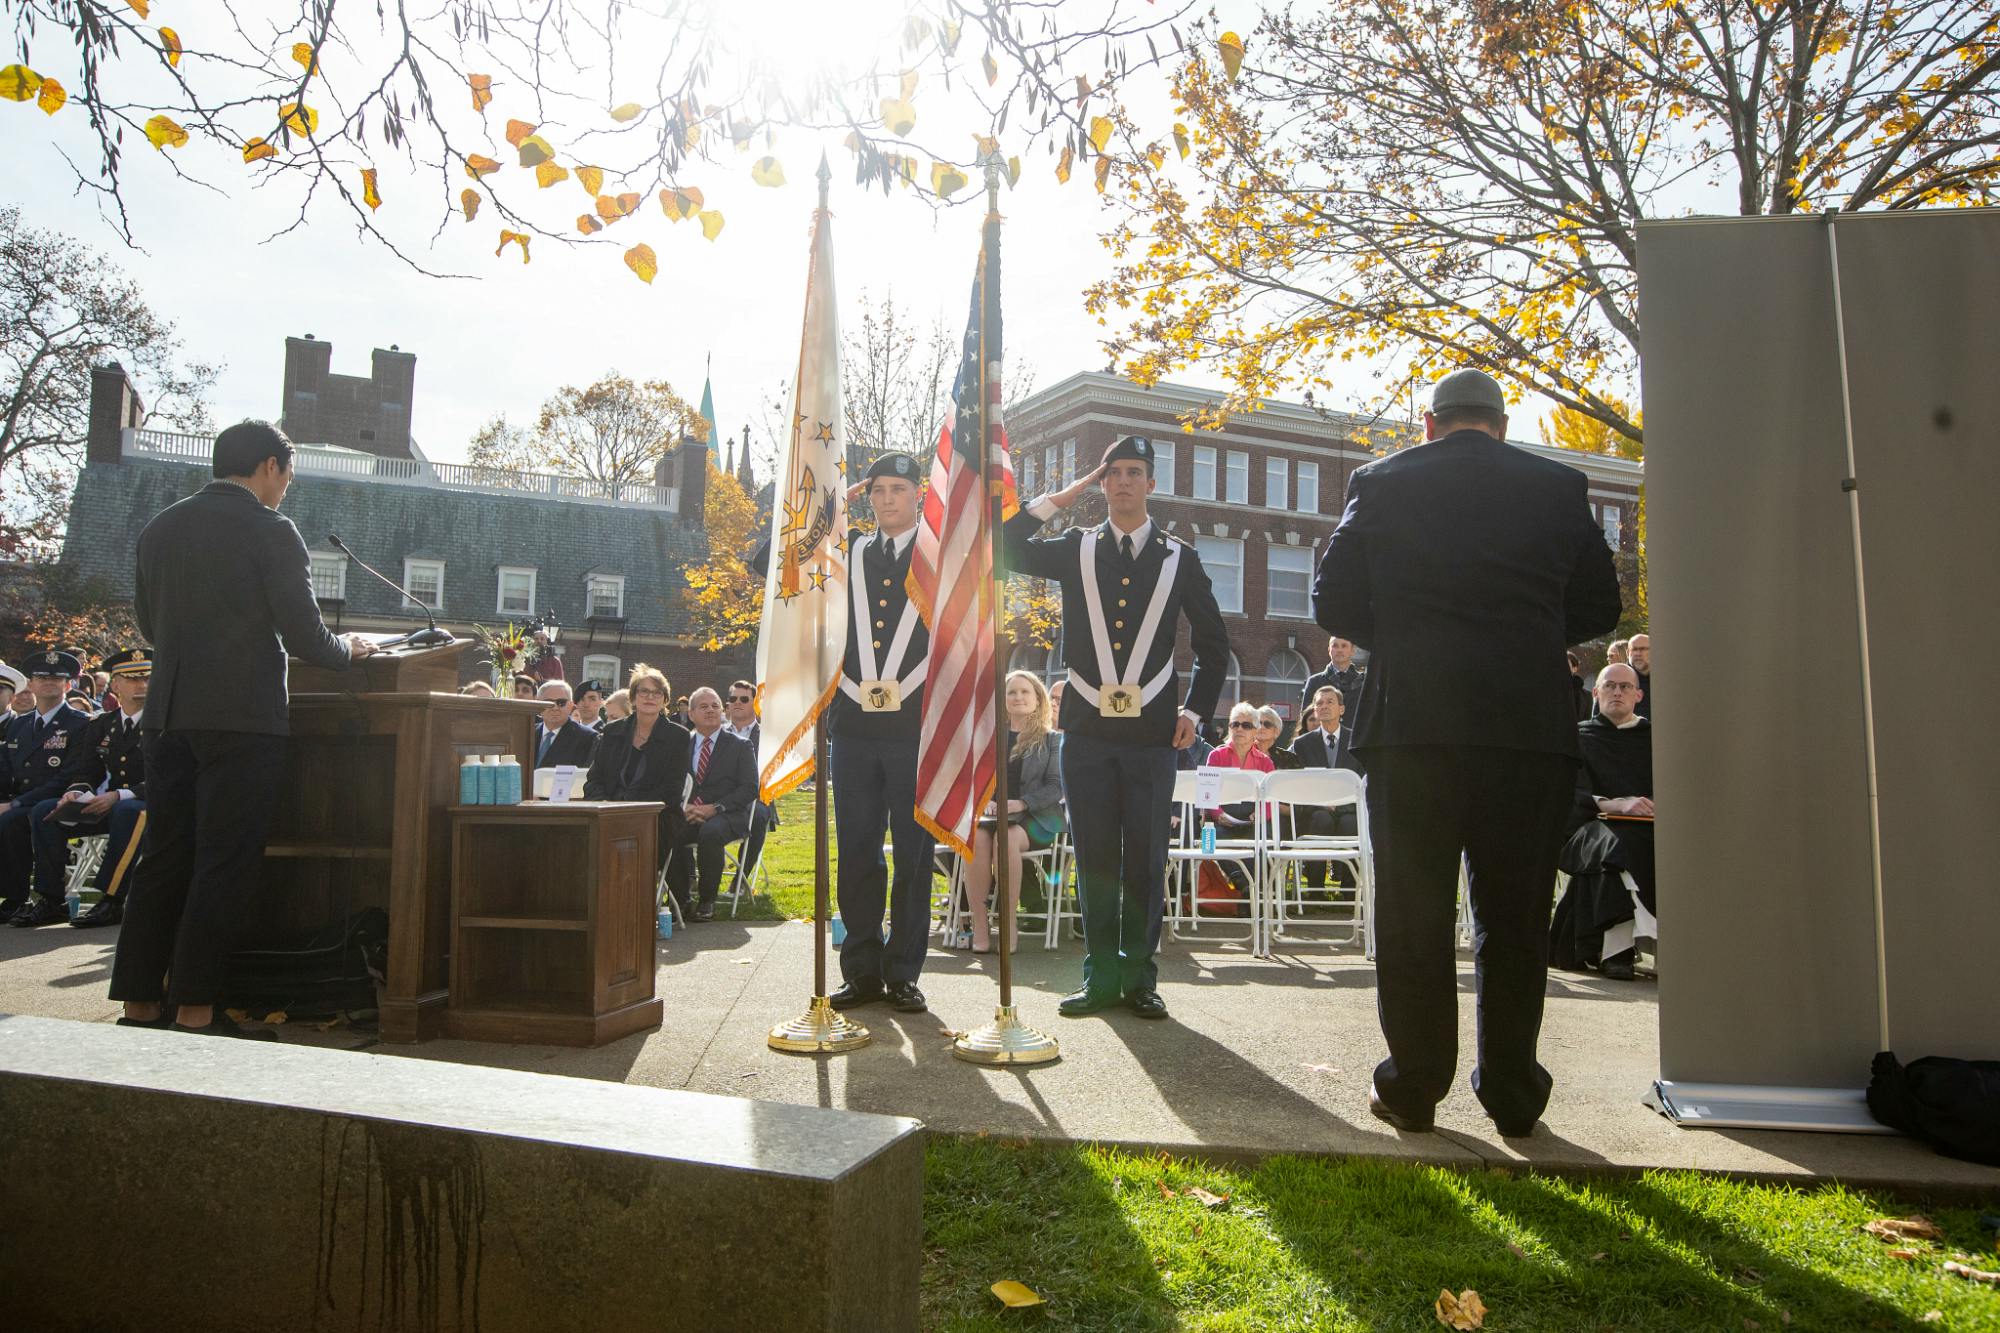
column 104, row 792
column 1125, row 586
column 872, row 734
column 38, row 744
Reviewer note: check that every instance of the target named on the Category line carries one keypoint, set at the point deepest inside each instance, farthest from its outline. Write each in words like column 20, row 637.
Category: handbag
column 1219, row 892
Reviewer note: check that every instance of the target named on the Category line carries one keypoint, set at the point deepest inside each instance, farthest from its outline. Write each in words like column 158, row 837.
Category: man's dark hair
column 1462, row 418
column 745, row 686
column 242, row 448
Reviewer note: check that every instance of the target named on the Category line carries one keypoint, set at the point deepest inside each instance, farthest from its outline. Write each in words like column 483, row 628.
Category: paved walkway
column 1260, row 1056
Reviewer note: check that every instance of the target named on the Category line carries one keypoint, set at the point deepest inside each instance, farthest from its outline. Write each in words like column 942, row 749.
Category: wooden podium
column 369, row 775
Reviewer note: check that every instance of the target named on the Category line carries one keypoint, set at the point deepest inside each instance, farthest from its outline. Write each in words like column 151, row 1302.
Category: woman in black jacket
column 644, row 757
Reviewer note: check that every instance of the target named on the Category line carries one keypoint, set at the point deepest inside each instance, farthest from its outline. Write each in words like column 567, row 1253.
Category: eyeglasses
column 643, row 693
column 1243, row 726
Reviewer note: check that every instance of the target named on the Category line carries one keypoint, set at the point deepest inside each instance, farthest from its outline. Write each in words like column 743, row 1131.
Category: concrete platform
column 1261, row 1056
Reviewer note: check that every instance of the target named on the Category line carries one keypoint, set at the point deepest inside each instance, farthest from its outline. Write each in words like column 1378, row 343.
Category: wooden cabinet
column 552, row 920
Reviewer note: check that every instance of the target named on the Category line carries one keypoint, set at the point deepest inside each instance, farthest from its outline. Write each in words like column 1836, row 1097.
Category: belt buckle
column 881, row 696
column 1119, row 701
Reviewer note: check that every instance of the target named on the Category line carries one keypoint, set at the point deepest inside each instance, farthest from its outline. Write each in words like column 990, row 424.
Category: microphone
column 423, row 638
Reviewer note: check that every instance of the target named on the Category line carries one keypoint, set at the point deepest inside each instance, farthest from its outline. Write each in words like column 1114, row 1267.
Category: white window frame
column 1307, row 489
column 411, row 565
column 334, row 561
column 1614, row 526
column 610, row 680
column 1024, row 475
column 590, row 594
column 1068, row 461
column 500, row 577
column 1277, row 482
column 1271, row 607
column 1163, row 467
column 1228, row 594
column 1236, row 477
column 1204, row 472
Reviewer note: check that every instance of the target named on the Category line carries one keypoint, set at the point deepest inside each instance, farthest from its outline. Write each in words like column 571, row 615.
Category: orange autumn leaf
column 587, row 224
column 591, row 179
column 683, row 202
column 52, row 96
column 535, row 150
column 1231, row 48
column 548, row 173
column 1464, row 1311
column 468, row 200
column 518, row 130
column 477, row 166
column 1103, row 170
column 257, row 150
column 1062, row 166
column 482, row 90
column 507, row 236
column 369, row 194
column 627, row 203
column 163, row 133
column 641, row 260
column 140, row 7
column 170, row 43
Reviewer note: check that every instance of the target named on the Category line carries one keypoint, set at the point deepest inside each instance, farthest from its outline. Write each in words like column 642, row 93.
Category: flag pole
column 822, row 1028
column 1006, row 1040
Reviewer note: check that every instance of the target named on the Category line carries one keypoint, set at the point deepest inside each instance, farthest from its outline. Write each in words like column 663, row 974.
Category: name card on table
column 1207, row 787
column 564, row 786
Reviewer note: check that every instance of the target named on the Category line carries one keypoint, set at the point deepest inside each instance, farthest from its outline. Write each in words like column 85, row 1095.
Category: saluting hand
column 1073, row 492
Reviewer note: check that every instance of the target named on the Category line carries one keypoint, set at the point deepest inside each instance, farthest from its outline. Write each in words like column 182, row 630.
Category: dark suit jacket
column 574, row 744
column 1310, row 747
column 224, row 591
column 657, row 772
column 1348, row 682
column 1466, row 567
column 731, row 783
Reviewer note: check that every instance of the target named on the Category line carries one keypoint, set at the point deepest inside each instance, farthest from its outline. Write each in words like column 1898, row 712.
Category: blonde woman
column 1034, row 800
column 1269, row 727
column 617, row 706
column 643, row 757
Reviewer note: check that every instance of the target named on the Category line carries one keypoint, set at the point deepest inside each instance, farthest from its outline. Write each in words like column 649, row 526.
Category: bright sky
column 504, row 339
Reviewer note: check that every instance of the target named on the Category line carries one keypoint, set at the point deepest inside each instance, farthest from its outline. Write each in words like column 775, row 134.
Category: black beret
column 900, row 466
column 584, row 687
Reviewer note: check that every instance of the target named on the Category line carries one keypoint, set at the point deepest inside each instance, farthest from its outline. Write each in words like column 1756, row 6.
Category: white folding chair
column 744, row 880
column 89, row 856
column 1285, row 855
column 1184, row 858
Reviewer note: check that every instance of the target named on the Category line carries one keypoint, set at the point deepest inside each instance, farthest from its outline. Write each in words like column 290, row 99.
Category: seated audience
column 644, row 757
column 1034, row 801
column 1616, row 652
column 1325, row 745
column 1639, row 648
column 38, row 743
column 1269, row 727
column 1597, row 920
column 1582, row 691
column 524, row 685
column 12, row 683
column 83, row 703
column 718, row 807
column 1240, row 752
column 680, row 714
column 1055, row 704
column 24, row 698
column 617, row 706
column 105, row 792
column 559, row 738
column 740, row 714
column 590, row 704
column 477, row 688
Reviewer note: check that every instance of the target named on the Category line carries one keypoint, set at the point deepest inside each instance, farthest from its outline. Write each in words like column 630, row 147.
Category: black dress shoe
column 1618, row 967
column 222, row 1025
column 703, row 912
column 1147, row 1004
column 1515, row 1131
column 1079, row 1003
column 1409, row 1124
column 103, row 912
column 853, row 994
column 906, row 997
column 40, row 912
column 159, row 1024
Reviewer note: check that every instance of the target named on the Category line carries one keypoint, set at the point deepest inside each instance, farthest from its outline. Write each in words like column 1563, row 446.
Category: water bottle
column 509, row 787
column 839, row 932
column 468, row 780
column 489, row 777
column 666, row 923
column 1208, row 840
column 73, row 901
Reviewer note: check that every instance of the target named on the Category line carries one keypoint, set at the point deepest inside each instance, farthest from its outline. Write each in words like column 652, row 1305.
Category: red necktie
column 701, row 763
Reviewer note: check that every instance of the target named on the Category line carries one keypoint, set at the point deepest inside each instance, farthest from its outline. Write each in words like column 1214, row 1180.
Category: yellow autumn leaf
column 535, row 150
column 482, row 90
column 1231, row 47
column 591, row 179
column 162, row 133
column 1063, row 165
column 477, row 166
column 518, row 130
column 256, row 150
column 18, row 83
column 1156, row 156
column 1100, row 132
column 369, row 194
column 767, row 171
column 640, row 259
column 711, row 224
column 1013, row 172
column 299, row 118
column 170, row 43
column 548, row 173
column 992, row 69
column 680, row 203
column 140, row 7
column 629, row 111
column 1103, row 173
column 468, row 199
column 507, row 236
column 952, row 28
column 302, row 52
column 588, row 224
column 1464, row 1311
column 52, row 96
column 909, row 84
column 1015, row 1295
column 898, row 116
column 946, row 180
column 1181, row 139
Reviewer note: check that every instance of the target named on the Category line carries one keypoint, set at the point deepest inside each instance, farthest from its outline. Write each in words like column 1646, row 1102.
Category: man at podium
column 223, row 592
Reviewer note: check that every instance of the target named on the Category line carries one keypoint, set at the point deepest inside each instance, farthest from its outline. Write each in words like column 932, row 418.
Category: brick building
column 371, row 415
column 476, row 545
column 1257, row 499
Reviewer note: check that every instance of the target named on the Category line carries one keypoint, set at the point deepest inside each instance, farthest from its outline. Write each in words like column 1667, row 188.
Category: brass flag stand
column 1006, row 1040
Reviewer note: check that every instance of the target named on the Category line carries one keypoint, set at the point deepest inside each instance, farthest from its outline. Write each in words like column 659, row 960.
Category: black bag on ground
column 1953, row 1105
column 331, row 971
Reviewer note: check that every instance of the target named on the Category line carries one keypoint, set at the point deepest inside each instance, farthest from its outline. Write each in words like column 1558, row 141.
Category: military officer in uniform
column 38, row 745
column 1126, row 586
column 872, row 734
column 105, row 792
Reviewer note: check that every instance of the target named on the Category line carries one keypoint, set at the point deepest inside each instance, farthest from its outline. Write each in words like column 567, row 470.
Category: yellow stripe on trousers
column 125, row 861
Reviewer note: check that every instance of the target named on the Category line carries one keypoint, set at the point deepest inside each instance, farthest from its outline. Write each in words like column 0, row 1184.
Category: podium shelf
column 342, row 851
column 524, row 922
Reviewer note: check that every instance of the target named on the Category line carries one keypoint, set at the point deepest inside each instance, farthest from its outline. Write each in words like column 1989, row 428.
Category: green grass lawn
column 1114, row 1242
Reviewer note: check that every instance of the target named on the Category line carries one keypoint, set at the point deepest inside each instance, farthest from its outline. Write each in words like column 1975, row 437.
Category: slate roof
column 473, row 533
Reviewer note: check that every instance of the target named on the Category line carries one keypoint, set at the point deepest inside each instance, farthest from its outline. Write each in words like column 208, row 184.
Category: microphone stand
column 433, row 637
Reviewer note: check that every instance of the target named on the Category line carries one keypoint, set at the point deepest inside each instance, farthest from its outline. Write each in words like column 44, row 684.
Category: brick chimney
column 308, row 361
column 687, row 468
column 114, row 405
column 395, row 375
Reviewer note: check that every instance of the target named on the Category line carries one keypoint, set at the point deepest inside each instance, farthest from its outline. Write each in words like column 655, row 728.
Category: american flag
column 951, row 579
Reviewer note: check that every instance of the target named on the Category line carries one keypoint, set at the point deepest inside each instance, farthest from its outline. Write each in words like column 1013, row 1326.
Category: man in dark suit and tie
column 1325, row 745
column 717, row 810
column 1465, row 567
column 38, row 748
column 224, row 592
column 559, row 738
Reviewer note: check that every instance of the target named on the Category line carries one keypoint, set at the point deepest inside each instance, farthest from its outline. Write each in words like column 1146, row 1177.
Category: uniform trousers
column 122, row 823
column 1120, row 797
column 17, row 855
column 875, row 791
column 1504, row 810
column 210, row 796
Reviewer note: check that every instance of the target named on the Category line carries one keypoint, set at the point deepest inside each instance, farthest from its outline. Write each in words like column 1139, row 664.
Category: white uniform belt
column 865, row 645
column 1147, row 694
column 906, row 684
